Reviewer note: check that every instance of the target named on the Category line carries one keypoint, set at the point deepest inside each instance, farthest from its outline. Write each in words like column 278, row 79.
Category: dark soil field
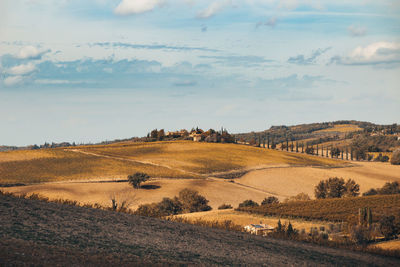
column 33, row 232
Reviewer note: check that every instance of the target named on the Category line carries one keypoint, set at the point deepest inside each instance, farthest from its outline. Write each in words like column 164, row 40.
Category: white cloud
column 214, row 8
column 22, row 69
column 373, row 54
column 356, row 31
column 130, row 7
column 31, row 52
column 13, row 80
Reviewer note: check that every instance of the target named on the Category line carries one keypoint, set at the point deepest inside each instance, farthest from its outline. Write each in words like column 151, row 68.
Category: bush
column 225, row 207
column 388, row 226
column 270, row 200
column 395, row 157
column 298, row 197
column 310, row 150
column 192, row 201
column 188, row 201
column 248, row 203
column 371, row 192
column 137, row 178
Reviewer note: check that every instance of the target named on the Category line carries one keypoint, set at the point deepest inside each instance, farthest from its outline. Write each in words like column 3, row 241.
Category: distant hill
column 318, row 132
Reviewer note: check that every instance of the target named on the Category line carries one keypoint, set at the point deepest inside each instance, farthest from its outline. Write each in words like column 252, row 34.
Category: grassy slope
column 34, row 232
column 206, row 158
column 332, row 209
column 161, row 159
column 243, row 219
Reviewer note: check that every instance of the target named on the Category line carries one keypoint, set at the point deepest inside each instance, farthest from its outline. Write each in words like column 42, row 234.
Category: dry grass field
column 285, row 182
column 216, row 191
column 341, row 128
column 180, row 159
column 243, row 219
column 205, row 158
column 59, row 165
column 389, row 245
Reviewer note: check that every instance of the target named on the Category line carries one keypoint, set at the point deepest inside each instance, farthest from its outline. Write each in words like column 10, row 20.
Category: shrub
column 298, row 197
column 270, row 200
column 225, row 206
column 388, row 226
column 192, row 201
column 395, row 157
column 137, row 178
column 169, row 206
column 371, row 192
column 310, row 150
column 335, row 152
column 390, row 189
column 248, row 203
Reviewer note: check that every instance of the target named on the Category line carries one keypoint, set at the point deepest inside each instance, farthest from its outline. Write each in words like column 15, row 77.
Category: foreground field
column 49, row 234
column 216, row 191
column 243, row 219
column 334, row 209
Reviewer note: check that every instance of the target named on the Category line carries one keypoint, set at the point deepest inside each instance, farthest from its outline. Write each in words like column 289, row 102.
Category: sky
column 95, row 70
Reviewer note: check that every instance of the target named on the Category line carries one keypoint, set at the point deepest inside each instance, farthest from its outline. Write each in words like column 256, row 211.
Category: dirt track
column 49, row 234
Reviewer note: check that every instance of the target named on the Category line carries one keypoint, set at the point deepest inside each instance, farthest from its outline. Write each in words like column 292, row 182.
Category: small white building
column 258, row 229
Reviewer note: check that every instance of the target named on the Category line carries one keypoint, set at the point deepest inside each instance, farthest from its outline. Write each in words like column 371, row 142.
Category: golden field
column 243, row 219
column 216, row 191
column 388, row 245
column 341, row 128
column 180, row 159
column 87, row 174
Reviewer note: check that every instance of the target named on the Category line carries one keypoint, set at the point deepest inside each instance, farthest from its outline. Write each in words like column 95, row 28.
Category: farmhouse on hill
column 258, row 229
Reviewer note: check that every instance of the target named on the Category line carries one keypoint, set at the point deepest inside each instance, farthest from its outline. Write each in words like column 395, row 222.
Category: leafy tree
column 310, row 150
column 352, row 188
column 169, row 206
column 248, row 203
column 335, row 188
column 320, row 190
column 270, row 200
column 335, row 152
column 387, row 226
column 160, row 134
column 192, row 201
column 154, row 134
column 395, row 160
column 137, row 178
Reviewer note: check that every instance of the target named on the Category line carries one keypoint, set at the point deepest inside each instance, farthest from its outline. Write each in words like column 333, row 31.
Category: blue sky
column 94, row 70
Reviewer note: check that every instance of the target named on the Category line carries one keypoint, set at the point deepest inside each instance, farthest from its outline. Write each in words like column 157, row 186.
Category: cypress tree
column 268, row 141
column 322, row 151
column 317, row 149
column 292, row 146
column 347, row 154
column 287, row 144
column 297, row 147
column 302, row 147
